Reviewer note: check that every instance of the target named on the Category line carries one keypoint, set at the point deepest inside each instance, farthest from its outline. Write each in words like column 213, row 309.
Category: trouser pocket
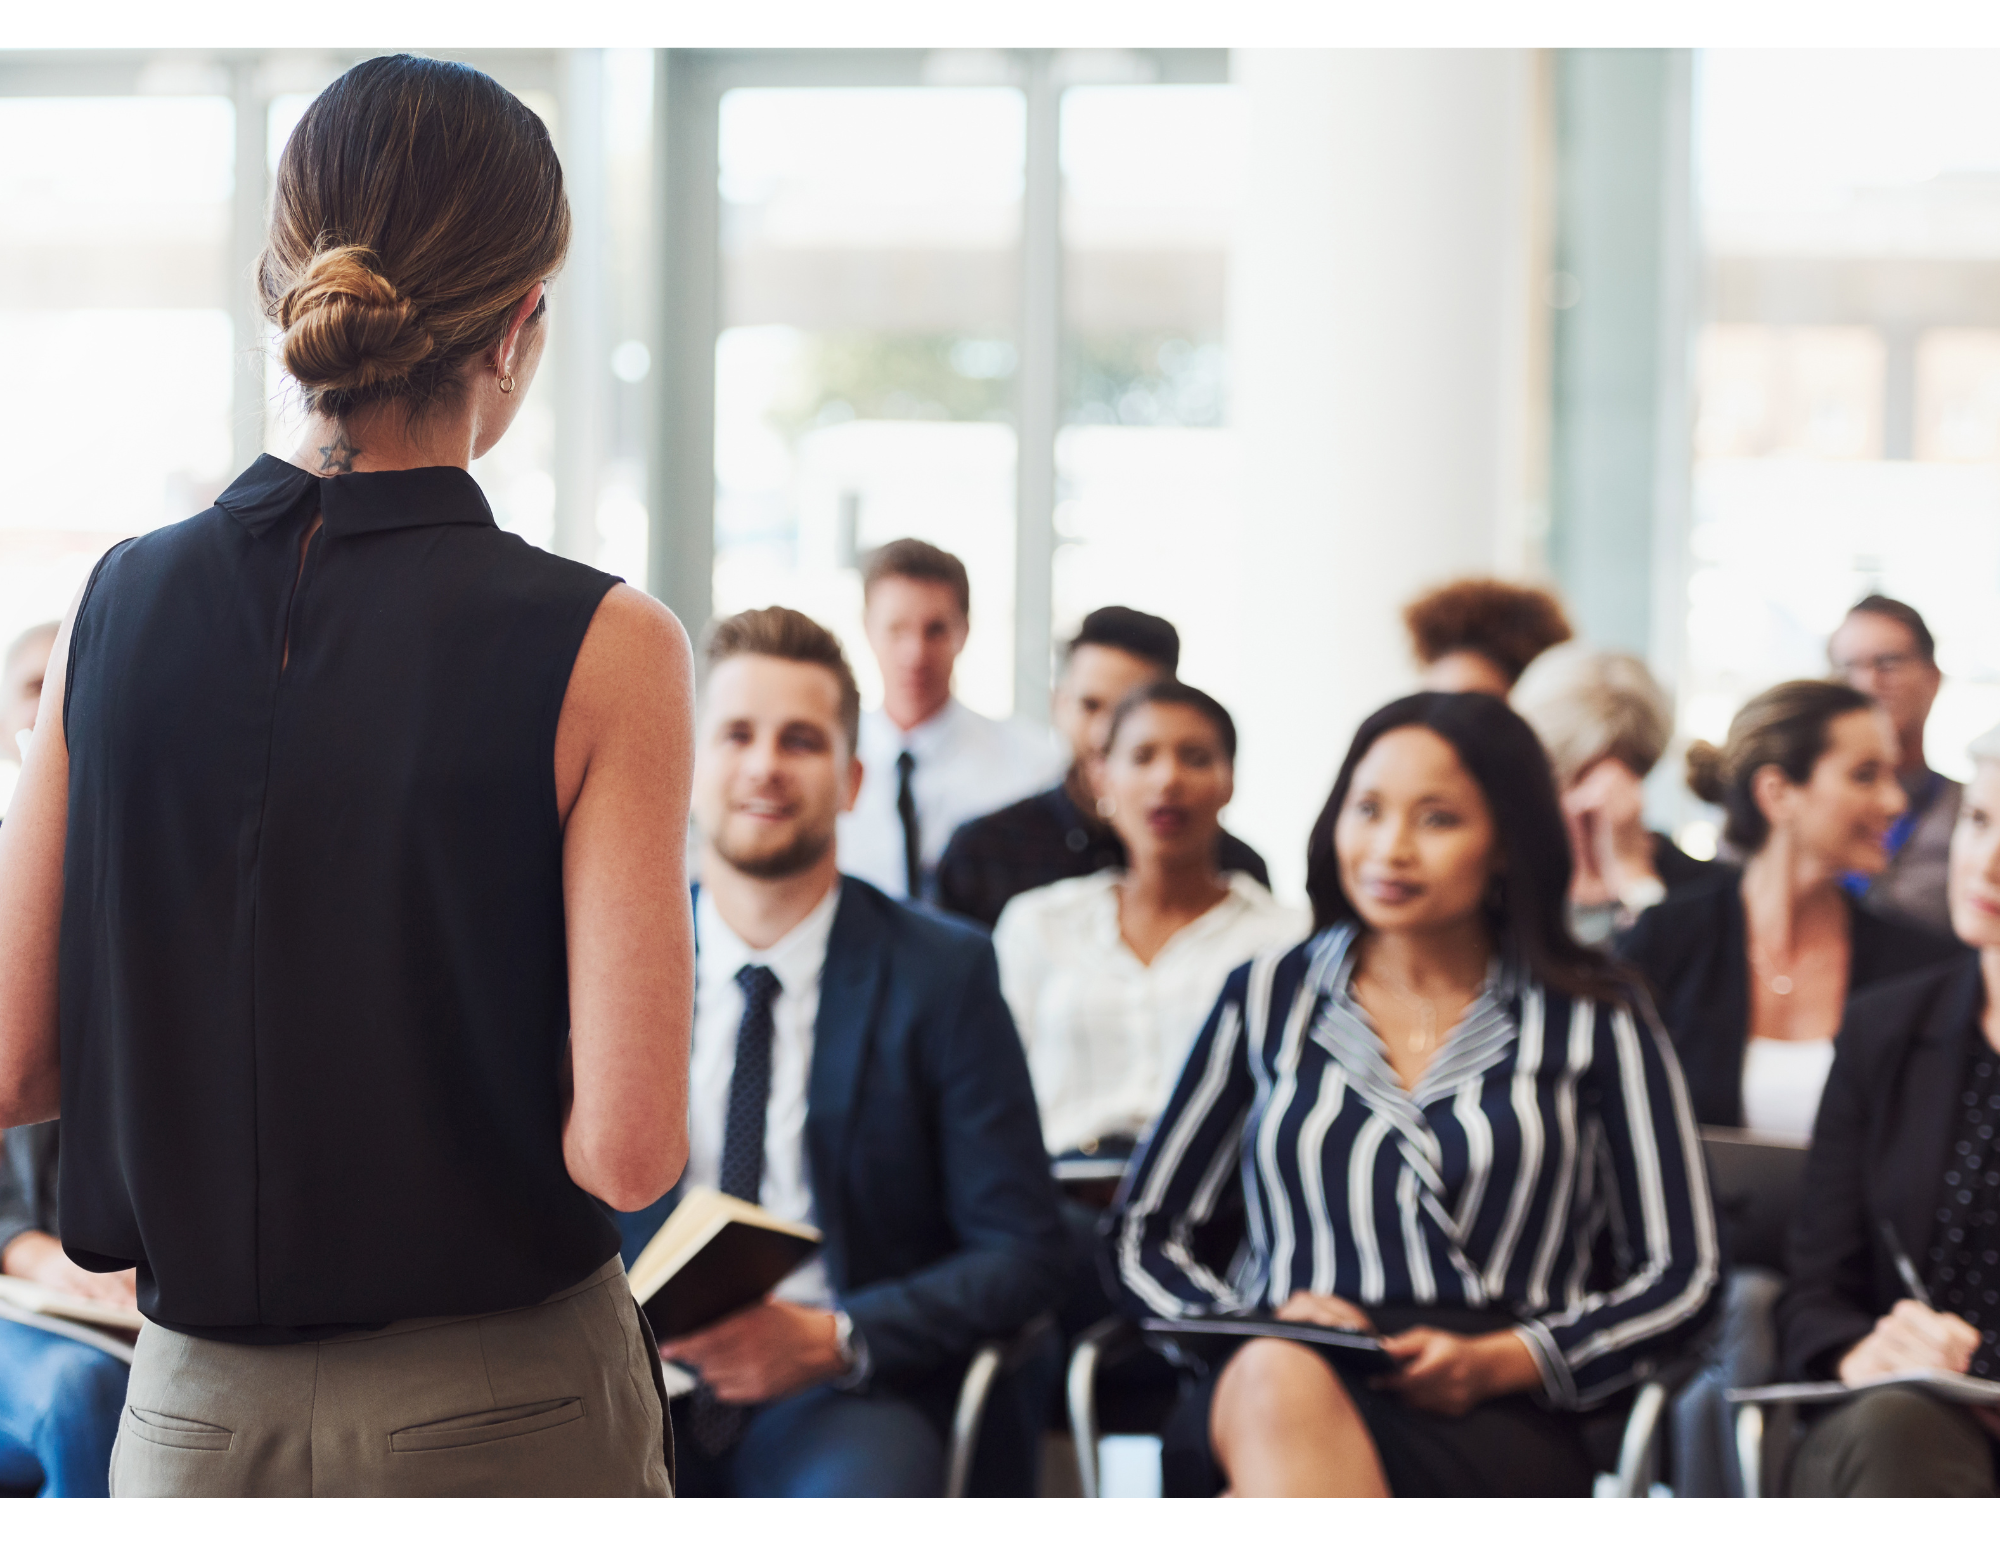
column 487, row 1426
column 175, row 1431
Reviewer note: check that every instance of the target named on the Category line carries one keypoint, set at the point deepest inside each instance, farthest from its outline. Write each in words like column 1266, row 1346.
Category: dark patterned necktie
column 913, row 845
column 715, row 1425
column 742, row 1169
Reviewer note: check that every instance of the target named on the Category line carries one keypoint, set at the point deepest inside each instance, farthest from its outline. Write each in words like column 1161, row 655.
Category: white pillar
column 1379, row 318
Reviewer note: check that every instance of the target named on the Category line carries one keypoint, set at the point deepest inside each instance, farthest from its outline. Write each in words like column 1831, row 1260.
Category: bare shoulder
column 634, row 645
column 632, row 686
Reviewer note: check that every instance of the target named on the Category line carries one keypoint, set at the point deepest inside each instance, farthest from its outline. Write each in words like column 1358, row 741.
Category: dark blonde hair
column 1786, row 727
column 908, row 558
column 1508, row 624
column 415, row 204
column 783, row 634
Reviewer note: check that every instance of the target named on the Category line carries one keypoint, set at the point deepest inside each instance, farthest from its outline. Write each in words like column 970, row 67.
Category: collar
column 926, row 740
column 355, row 503
column 796, row 959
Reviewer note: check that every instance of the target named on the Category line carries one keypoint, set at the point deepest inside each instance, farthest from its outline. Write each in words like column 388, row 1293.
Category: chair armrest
column 992, row 1359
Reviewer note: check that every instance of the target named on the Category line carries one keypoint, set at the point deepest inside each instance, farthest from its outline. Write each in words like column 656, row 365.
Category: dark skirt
column 1510, row 1447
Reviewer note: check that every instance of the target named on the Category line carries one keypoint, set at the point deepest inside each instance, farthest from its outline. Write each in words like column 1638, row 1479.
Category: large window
column 973, row 297
column 864, row 373
column 1847, row 436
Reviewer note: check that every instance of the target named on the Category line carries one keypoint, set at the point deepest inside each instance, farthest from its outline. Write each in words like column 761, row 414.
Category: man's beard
column 795, row 857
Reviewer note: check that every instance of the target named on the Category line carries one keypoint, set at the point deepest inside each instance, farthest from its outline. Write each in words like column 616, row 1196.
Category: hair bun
column 345, row 326
column 1706, row 773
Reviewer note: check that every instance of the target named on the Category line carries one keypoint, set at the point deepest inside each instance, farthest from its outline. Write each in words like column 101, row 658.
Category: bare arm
column 624, row 755
column 31, row 893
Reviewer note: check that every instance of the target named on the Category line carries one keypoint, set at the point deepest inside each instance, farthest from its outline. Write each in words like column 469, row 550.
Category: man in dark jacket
column 854, row 1066
column 1056, row 835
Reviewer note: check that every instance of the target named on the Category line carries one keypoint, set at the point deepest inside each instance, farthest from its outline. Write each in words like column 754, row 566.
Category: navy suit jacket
column 942, row 1224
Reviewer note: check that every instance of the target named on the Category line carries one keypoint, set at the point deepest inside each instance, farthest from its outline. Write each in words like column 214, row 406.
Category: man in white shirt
column 937, row 764
column 853, row 1066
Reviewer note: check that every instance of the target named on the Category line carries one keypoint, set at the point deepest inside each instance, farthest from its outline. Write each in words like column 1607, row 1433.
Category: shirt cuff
column 854, row 1348
column 1556, row 1381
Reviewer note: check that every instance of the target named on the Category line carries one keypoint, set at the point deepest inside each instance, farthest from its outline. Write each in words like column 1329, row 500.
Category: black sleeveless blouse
column 314, row 986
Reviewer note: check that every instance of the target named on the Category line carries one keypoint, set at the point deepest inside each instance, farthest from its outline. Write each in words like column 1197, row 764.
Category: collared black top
column 1038, row 841
column 314, row 989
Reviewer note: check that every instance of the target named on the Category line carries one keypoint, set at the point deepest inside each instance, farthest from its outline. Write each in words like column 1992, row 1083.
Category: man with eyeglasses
column 1882, row 648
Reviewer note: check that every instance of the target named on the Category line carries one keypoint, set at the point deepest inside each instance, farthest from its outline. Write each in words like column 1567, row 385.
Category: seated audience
column 1109, row 976
column 1902, row 1184
column 1056, row 834
column 1478, row 635
column 60, row 1400
column 937, row 764
column 853, row 1065
column 1752, row 970
column 1399, row 1095
column 1605, row 723
column 1884, row 649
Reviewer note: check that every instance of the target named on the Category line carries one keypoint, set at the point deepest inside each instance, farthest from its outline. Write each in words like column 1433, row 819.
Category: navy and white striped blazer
column 1546, row 1164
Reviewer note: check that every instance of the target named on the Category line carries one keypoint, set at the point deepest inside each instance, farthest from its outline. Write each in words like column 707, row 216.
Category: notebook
column 1359, row 1351
column 715, row 1254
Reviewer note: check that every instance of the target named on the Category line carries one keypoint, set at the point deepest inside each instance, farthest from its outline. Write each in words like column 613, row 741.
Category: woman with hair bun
column 1752, row 970
column 342, row 901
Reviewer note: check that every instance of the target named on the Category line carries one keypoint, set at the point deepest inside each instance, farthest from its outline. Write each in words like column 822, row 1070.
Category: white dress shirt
column 796, row 960
column 967, row 765
column 1105, row 1033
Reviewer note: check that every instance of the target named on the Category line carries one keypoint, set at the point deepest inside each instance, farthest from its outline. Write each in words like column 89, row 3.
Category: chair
column 1635, row 1461
column 990, row 1362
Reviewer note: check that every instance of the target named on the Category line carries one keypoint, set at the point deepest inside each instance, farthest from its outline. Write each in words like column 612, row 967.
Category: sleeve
column 1179, row 1176
column 1024, row 965
column 961, row 876
column 1011, row 1251
column 17, row 1207
column 1663, row 1222
column 1829, row 1304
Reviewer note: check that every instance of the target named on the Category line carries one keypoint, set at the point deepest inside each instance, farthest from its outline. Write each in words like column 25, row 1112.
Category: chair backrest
column 1756, row 1181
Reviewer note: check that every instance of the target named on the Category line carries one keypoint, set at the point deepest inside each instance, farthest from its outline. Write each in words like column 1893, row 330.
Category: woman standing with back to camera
column 342, row 910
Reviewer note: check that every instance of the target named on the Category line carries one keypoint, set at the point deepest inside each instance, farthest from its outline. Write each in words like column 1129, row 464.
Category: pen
column 1904, row 1269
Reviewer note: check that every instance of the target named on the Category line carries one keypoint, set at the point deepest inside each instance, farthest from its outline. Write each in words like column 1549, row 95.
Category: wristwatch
column 853, row 1350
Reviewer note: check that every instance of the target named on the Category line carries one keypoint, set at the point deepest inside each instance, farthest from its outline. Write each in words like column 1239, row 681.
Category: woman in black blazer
column 1808, row 783
column 1905, row 1160
column 1751, row 970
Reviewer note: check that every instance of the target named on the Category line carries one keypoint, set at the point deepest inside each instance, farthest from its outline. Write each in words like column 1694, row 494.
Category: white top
column 1106, row 1034
column 796, row 960
column 1782, row 1081
column 967, row 765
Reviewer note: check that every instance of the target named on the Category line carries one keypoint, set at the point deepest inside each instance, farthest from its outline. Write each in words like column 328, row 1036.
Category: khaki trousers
column 553, row 1400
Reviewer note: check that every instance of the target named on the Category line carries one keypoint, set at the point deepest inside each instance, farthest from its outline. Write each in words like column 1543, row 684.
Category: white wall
column 1379, row 327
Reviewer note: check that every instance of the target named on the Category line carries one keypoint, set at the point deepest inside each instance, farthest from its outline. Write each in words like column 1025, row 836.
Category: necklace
column 1427, row 1010
column 1780, row 982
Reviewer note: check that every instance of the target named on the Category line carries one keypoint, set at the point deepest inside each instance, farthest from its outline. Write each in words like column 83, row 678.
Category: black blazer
column 942, row 1224
column 1694, row 949
column 1878, row 1156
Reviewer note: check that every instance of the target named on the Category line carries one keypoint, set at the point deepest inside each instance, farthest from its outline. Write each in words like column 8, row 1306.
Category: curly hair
column 1508, row 624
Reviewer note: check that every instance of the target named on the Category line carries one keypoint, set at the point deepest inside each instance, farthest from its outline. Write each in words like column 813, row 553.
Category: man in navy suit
column 853, row 1066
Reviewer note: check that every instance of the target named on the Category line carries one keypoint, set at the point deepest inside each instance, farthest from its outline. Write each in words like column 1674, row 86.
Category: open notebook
column 36, row 1299
column 715, row 1254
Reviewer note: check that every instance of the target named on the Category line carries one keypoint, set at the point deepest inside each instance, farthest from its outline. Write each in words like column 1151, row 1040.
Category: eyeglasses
column 1880, row 664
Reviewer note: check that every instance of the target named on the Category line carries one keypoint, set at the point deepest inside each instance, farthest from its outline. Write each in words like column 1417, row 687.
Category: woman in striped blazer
column 1451, row 1123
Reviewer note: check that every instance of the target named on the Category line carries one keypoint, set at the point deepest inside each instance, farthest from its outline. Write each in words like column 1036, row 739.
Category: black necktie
column 716, row 1426
column 906, row 807
column 742, row 1169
